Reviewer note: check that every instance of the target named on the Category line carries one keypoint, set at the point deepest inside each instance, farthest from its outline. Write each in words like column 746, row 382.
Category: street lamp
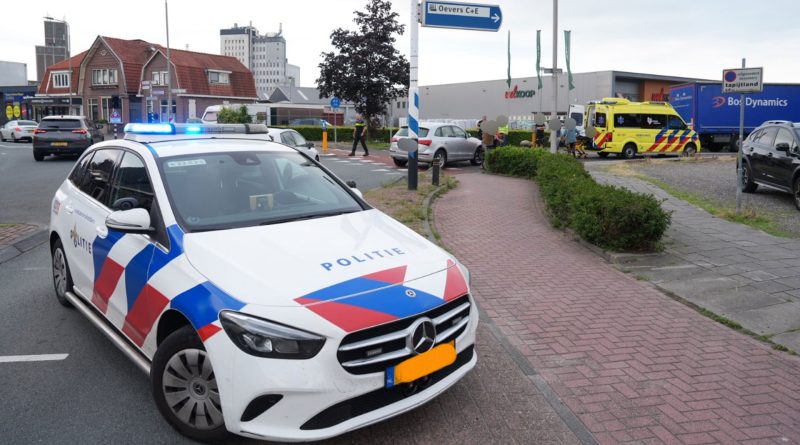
column 69, row 57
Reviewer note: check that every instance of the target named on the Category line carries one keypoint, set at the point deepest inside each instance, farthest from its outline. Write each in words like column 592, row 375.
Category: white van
column 258, row 112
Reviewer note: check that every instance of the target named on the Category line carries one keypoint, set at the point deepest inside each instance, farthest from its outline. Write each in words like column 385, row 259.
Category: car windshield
column 217, row 191
column 403, row 132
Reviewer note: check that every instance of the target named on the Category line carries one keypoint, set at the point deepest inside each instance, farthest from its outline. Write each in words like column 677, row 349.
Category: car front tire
column 62, row 280
column 748, row 185
column 185, row 389
column 400, row 162
column 796, row 192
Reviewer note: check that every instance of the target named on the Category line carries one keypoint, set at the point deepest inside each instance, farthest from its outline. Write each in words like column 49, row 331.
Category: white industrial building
column 521, row 100
column 263, row 54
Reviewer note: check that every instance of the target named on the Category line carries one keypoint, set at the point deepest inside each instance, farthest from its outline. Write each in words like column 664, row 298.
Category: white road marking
column 35, row 268
column 32, row 358
column 380, row 170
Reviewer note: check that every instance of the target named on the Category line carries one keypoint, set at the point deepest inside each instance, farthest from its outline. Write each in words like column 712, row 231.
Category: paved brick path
column 731, row 269
column 633, row 365
column 13, row 232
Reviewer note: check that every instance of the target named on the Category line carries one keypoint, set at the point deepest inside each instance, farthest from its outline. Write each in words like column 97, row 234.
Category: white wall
column 13, row 74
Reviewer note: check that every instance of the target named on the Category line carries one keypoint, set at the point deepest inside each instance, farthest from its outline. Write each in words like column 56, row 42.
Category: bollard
column 324, row 142
column 115, row 131
column 412, row 169
column 435, row 168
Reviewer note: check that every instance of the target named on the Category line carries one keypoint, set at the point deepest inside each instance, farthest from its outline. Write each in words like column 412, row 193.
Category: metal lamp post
column 69, row 57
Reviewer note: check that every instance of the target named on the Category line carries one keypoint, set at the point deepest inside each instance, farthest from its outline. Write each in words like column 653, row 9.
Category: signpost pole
column 553, row 135
column 739, row 151
column 413, row 96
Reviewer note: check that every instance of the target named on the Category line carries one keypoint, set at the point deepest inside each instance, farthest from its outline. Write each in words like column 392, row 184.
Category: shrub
column 610, row 217
column 515, row 137
column 514, row 161
column 617, row 219
column 234, row 115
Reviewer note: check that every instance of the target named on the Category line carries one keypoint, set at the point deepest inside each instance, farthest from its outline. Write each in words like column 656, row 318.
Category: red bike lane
column 631, row 363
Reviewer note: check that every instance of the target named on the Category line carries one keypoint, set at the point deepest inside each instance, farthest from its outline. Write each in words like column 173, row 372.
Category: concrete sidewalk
column 741, row 273
column 632, row 364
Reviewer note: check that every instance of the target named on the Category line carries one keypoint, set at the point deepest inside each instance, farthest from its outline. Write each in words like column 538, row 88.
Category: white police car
column 263, row 296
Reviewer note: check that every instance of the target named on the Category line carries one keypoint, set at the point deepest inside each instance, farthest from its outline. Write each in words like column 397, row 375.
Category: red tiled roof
column 133, row 54
column 60, row 66
column 191, row 70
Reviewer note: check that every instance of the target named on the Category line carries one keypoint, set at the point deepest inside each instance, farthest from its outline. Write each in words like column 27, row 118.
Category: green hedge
column 343, row 134
column 514, row 161
column 515, row 137
column 611, row 217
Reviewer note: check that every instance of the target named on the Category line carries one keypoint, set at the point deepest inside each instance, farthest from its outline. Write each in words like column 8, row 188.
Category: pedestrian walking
column 359, row 135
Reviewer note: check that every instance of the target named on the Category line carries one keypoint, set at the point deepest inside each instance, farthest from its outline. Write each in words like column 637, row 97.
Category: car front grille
column 375, row 349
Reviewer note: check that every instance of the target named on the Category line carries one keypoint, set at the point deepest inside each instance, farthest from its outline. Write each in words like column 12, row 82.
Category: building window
column 164, row 111
column 61, row 80
column 218, row 77
column 160, row 77
column 94, row 110
column 104, row 77
column 105, row 107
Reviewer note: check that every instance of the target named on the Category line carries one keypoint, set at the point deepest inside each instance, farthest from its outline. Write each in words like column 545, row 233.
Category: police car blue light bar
column 150, row 128
column 194, row 129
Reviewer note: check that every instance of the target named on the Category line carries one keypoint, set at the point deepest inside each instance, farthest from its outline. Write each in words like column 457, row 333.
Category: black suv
column 772, row 158
column 61, row 135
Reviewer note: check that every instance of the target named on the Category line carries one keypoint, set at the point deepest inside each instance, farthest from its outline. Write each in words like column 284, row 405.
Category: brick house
column 201, row 79
column 115, row 68
column 52, row 95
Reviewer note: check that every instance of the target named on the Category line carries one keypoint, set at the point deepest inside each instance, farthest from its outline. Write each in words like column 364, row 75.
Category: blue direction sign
column 335, row 102
column 461, row 16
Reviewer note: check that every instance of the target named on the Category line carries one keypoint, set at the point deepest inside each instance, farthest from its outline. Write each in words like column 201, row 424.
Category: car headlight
column 263, row 338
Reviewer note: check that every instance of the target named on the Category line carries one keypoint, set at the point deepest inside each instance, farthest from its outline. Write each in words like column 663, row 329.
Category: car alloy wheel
column 689, row 150
column 191, row 390
column 477, row 159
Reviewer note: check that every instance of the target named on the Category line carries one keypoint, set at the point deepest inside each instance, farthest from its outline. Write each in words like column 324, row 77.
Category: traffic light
column 115, row 102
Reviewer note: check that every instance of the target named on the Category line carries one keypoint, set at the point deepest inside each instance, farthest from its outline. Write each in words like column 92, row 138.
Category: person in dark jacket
column 359, row 134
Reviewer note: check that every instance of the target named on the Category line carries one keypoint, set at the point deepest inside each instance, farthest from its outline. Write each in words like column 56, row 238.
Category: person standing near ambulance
column 359, row 135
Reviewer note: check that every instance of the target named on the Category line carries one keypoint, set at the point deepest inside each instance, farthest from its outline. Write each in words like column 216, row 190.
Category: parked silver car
column 439, row 142
column 17, row 130
column 294, row 139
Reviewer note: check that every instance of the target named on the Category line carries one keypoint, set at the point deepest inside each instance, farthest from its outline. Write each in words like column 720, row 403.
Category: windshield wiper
column 308, row 216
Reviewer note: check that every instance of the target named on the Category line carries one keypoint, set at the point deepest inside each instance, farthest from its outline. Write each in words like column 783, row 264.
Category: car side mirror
column 130, row 221
column 783, row 146
column 309, row 145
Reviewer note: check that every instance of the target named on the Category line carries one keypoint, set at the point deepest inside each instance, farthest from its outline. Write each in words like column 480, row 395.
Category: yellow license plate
column 58, row 144
column 424, row 364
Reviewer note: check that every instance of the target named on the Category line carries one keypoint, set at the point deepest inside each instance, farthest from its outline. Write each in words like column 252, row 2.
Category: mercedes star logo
column 421, row 335
column 410, row 293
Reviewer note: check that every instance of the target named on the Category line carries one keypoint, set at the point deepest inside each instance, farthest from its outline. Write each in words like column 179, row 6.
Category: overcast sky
column 689, row 38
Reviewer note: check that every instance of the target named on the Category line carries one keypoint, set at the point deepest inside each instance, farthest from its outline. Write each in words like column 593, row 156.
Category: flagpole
column 554, row 113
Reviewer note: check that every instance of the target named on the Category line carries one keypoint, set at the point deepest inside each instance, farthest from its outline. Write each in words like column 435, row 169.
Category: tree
column 230, row 116
column 365, row 68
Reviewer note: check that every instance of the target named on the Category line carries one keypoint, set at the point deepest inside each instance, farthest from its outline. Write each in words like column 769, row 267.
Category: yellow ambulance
column 629, row 128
